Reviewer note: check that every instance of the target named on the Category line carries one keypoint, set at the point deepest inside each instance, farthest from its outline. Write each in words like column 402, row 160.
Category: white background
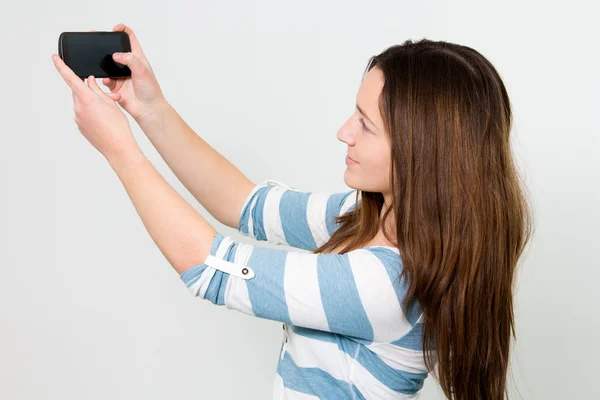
column 89, row 307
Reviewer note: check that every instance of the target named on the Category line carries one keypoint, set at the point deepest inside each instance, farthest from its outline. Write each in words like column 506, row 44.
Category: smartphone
column 91, row 53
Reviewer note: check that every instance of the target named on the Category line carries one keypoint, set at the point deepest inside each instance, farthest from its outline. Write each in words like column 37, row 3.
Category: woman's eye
column 362, row 122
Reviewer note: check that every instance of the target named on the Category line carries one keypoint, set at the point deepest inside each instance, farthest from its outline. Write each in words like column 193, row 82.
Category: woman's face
column 368, row 144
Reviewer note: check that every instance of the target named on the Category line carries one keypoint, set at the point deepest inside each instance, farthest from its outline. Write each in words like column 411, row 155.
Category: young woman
column 408, row 273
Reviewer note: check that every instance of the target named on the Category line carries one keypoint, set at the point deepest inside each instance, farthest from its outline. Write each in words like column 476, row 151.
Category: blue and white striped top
column 345, row 334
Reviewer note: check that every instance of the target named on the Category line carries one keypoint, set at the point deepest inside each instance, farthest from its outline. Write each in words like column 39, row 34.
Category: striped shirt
column 346, row 335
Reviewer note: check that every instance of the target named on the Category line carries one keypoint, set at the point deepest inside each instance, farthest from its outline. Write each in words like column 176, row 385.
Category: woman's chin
column 349, row 178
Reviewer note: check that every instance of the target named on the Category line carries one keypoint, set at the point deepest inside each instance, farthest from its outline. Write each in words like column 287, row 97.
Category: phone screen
column 90, row 53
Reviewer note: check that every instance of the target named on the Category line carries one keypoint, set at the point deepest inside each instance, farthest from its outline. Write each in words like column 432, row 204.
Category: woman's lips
column 350, row 161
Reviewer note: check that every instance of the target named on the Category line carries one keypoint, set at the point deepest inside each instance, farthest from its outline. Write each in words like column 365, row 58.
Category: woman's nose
column 346, row 134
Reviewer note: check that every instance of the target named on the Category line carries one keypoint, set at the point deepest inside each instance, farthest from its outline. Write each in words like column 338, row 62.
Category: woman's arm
column 212, row 179
column 180, row 232
column 352, row 294
column 356, row 294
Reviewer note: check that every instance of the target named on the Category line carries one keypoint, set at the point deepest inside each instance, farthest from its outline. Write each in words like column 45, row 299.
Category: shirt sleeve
column 281, row 214
column 357, row 294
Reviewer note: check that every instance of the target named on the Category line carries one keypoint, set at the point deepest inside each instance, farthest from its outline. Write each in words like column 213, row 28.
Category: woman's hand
column 140, row 95
column 97, row 115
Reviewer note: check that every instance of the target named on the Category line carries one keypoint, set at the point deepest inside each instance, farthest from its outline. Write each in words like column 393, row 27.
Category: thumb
column 131, row 60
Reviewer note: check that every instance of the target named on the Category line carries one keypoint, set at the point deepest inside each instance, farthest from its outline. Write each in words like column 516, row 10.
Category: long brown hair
column 462, row 219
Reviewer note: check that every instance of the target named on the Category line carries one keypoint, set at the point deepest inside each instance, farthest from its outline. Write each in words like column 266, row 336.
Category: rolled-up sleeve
column 353, row 294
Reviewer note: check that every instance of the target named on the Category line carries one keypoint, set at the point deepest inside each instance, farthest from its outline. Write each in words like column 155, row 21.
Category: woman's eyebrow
column 365, row 114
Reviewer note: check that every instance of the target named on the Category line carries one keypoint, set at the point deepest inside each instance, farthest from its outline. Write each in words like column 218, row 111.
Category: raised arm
column 278, row 214
column 212, row 179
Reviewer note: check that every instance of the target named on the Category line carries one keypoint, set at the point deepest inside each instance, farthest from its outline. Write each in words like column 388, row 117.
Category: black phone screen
column 90, row 53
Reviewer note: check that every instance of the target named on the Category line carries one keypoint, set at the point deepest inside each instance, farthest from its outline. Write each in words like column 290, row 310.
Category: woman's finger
column 91, row 81
column 114, row 96
column 114, row 84
column 110, row 83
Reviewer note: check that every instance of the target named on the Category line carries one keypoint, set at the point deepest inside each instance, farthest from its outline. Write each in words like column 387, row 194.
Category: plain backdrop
column 89, row 307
